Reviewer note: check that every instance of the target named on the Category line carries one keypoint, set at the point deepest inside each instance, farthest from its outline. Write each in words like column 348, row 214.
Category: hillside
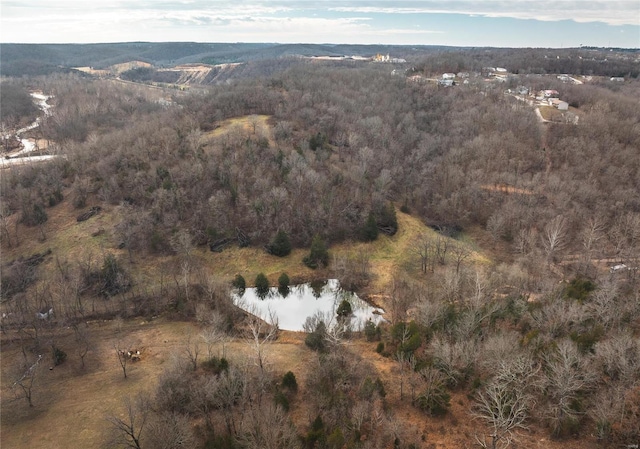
column 503, row 248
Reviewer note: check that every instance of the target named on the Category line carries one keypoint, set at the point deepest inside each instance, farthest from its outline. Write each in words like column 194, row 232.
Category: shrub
column 262, row 285
column 410, row 346
column 371, row 331
column 587, row 339
column 336, row 438
column 434, row 401
column 114, row 279
column 579, row 289
column 315, row 434
column 370, row 386
column 380, row 348
column 316, row 339
column 55, row 198
column 318, row 254
column 398, row 330
column 216, row 365
column 239, row 283
column 280, row 399
column 289, row 381
column 34, row 214
column 318, row 141
column 344, row 309
column 280, row 245
column 59, row 356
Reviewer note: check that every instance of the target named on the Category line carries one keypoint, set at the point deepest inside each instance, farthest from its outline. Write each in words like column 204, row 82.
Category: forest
column 504, row 249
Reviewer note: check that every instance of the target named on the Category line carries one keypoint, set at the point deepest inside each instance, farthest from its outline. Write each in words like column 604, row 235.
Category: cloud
column 613, row 12
column 280, row 20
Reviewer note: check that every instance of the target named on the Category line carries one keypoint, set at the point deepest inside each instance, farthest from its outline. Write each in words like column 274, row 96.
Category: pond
column 305, row 300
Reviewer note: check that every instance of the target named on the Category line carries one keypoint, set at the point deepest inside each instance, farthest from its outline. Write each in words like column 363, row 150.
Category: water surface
column 305, row 300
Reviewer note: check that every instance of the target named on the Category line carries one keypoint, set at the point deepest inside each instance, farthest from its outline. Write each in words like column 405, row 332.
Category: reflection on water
column 305, row 300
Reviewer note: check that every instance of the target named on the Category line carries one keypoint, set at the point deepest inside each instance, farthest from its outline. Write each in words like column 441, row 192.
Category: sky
column 494, row 23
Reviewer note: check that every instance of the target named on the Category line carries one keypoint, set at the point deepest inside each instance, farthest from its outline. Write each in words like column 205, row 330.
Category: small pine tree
column 59, row 356
column 114, row 279
column 262, row 285
column 387, row 219
column 318, row 254
column 283, row 284
column 280, row 245
column 370, row 230
column 289, row 381
column 344, row 309
column 239, row 283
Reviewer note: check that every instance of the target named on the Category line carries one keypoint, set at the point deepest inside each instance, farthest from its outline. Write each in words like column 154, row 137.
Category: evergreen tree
column 318, row 254
column 280, row 245
column 370, row 230
column 283, row 284
column 239, row 283
column 344, row 309
column 262, row 285
column 387, row 221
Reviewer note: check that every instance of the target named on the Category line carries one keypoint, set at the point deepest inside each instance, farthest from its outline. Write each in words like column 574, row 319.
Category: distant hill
column 39, row 59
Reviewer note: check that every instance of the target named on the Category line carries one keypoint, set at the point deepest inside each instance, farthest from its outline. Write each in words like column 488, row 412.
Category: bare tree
column 425, row 250
column 4, row 225
column 568, row 375
column 26, row 380
column 262, row 333
column 505, row 402
column 122, row 353
column 127, row 431
column 81, row 334
column 451, row 286
column 182, row 244
column 231, row 391
column 524, row 241
column 402, row 357
column 459, row 253
column 591, row 234
column 170, row 430
column 267, row 427
column 442, row 246
column 401, row 297
column 554, row 237
column 505, row 410
column 214, row 332
column 192, row 350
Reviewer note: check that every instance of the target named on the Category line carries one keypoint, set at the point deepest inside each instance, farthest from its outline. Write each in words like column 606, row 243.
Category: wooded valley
column 504, row 248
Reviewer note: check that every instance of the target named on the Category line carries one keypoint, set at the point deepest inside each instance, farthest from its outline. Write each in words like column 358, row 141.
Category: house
column 521, row 90
column 617, row 79
column 549, row 93
column 446, row 82
column 618, row 267
column 487, row 71
column 501, row 70
column 386, row 58
column 448, row 76
column 559, row 104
